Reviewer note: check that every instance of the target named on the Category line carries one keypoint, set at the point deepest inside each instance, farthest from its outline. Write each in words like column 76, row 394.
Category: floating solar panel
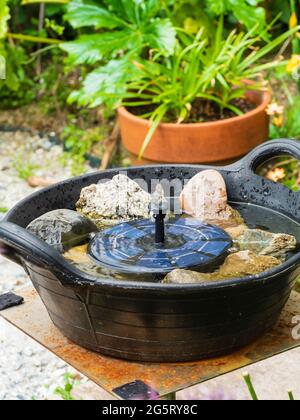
column 131, row 248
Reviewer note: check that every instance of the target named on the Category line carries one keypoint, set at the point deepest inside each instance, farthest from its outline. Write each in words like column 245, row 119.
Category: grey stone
column 266, row 243
column 62, row 229
column 186, row 277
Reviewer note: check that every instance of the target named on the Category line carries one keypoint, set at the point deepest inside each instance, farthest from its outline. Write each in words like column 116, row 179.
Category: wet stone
column 236, row 231
column 187, row 277
column 266, row 243
column 115, row 201
column 205, row 197
column 240, row 264
column 62, row 229
column 246, row 263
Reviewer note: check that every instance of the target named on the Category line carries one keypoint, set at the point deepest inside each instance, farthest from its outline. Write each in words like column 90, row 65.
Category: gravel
column 27, row 370
column 23, row 154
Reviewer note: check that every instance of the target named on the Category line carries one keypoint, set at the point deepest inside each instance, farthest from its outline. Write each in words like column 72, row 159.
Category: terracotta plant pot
column 210, row 142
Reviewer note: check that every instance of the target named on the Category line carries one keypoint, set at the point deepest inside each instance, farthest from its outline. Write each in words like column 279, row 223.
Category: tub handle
column 19, row 245
column 268, row 150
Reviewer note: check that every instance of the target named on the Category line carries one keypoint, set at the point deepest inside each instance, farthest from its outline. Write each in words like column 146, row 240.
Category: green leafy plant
column 293, row 21
column 290, row 125
column 78, row 143
column 193, row 15
column 24, row 169
column 246, row 12
column 4, row 18
column 24, row 38
column 65, row 392
column 121, row 31
column 124, row 25
column 245, row 7
column 170, row 87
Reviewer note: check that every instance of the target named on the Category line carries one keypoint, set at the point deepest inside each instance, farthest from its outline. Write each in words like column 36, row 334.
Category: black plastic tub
column 157, row 322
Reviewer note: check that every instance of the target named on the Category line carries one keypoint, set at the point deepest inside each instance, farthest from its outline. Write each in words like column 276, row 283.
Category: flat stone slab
column 163, row 379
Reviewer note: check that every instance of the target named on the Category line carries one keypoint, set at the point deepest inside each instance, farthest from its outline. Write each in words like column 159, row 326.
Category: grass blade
column 250, row 386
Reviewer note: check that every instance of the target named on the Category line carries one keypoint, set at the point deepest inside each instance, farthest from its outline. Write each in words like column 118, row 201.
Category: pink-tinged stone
column 205, row 197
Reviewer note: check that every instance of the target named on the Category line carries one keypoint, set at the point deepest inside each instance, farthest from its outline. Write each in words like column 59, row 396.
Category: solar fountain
column 160, row 245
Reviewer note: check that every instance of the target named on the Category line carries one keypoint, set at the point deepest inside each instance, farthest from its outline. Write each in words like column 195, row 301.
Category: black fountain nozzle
column 159, row 210
column 159, row 226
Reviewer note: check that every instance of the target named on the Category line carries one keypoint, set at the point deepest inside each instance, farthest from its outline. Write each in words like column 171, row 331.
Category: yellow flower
column 278, row 121
column 293, row 21
column 293, row 63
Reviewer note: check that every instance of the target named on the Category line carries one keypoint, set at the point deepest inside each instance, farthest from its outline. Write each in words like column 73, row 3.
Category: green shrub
column 167, row 75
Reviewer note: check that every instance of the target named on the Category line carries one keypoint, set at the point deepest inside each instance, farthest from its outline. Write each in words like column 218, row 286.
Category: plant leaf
column 246, row 11
column 217, row 6
column 249, row 15
column 82, row 14
column 106, row 84
column 156, row 119
column 161, row 35
column 90, row 49
column 4, row 18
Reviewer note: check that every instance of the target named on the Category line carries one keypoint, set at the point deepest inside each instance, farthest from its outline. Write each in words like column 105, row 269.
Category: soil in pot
column 202, row 111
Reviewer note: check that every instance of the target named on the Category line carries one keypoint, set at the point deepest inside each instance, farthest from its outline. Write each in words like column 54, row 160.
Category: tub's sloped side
column 66, row 310
column 152, row 326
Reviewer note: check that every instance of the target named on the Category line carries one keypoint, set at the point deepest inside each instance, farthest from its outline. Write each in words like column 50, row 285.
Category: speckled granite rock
column 62, row 229
column 117, row 200
column 205, row 197
column 241, row 264
column 265, row 243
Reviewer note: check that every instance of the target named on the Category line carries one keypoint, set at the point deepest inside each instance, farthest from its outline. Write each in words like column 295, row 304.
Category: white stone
column 117, row 200
column 205, row 196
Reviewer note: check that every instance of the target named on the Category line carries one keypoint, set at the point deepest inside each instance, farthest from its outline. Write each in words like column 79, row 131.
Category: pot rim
column 80, row 278
column 266, row 98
